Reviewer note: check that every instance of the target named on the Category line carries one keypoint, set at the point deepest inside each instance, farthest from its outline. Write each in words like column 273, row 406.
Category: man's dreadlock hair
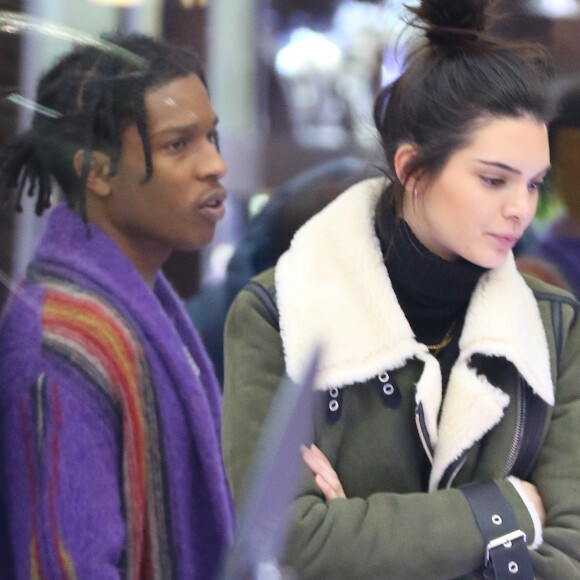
column 85, row 101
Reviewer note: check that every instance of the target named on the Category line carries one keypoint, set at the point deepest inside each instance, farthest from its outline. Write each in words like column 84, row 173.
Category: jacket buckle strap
column 506, row 553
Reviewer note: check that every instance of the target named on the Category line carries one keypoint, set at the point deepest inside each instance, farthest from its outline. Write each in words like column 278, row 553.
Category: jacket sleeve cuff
column 531, row 510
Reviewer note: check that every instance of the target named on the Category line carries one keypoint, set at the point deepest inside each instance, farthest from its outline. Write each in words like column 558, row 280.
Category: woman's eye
column 492, row 181
column 535, row 185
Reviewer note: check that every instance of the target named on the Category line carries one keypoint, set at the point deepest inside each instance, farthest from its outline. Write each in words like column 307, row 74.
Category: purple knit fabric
column 89, row 513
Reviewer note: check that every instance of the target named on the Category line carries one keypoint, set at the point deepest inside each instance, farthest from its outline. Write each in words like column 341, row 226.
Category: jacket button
column 388, row 389
column 333, row 405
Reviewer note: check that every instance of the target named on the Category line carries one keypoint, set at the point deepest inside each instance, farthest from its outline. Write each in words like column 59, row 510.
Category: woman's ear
column 98, row 181
column 403, row 158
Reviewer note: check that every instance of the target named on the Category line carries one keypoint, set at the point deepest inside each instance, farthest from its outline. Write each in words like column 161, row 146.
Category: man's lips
column 212, row 207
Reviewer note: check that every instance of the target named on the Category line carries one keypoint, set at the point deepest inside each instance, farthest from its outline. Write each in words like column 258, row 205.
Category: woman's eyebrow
column 500, row 165
column 509, row 168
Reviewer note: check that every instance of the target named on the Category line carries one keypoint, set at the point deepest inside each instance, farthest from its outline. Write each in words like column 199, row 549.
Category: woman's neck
column 431, row 291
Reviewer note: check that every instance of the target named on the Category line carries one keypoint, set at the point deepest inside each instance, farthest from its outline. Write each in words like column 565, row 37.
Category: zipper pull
column 422, row 430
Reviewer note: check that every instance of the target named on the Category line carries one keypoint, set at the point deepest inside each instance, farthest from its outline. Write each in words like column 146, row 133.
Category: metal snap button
column 384, row 377
column 496, row 520
column 388, row 389
column 333, row 392
column 333, row 405
column 513, row 567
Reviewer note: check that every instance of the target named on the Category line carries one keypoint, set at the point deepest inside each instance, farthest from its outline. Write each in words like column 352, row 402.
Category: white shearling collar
column 333, row 290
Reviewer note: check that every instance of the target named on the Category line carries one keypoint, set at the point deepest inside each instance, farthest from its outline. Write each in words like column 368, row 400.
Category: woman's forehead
column 519, row 142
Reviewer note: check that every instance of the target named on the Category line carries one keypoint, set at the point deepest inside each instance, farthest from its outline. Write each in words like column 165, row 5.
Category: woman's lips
column 506, row 242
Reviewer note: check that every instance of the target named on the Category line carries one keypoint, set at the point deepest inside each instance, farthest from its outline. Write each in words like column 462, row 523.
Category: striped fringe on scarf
column 93, row 337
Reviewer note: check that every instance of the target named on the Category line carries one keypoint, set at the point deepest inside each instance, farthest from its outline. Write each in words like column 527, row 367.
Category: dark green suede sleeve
column 557, row 473
column 253, row 366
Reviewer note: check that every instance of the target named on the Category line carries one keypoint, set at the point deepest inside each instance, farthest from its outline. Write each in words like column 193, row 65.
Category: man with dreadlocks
column 110, row 462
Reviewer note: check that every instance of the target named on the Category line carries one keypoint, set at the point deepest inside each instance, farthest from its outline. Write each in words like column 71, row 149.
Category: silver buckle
column 505, row 541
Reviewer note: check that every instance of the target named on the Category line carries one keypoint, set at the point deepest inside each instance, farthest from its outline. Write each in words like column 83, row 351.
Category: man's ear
column 98, row 181
column 403, row 157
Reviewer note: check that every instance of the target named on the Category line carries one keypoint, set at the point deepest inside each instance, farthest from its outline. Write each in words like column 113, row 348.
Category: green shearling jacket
column 332, row 288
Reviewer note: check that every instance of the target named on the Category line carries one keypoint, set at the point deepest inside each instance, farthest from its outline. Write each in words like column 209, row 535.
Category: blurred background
column 291, row 80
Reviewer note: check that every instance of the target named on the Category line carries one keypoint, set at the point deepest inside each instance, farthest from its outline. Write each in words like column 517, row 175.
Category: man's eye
column 214, row 139
column 176, row 145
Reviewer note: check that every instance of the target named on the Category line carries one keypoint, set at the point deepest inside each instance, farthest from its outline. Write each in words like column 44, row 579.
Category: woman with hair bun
column 447, row 418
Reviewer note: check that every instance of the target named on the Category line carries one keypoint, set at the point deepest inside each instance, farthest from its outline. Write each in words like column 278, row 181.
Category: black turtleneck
column 432, row 292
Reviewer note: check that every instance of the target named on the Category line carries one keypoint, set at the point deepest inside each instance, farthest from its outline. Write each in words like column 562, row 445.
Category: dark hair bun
column 447, row 22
